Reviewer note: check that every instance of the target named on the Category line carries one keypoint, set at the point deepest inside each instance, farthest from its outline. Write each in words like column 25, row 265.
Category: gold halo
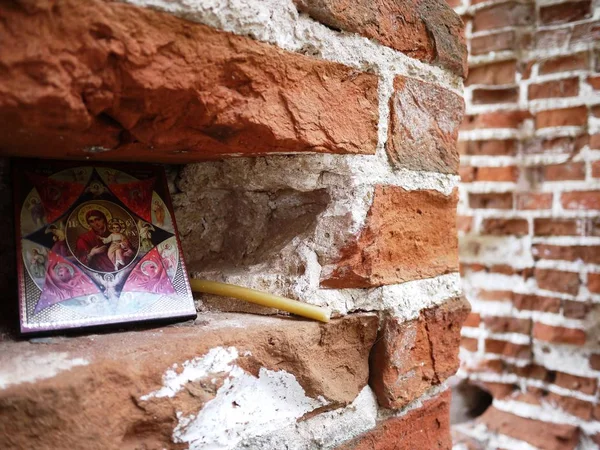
column 90, row 206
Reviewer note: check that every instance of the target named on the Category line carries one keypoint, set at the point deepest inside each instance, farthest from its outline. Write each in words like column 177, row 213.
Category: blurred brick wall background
column 529, row 221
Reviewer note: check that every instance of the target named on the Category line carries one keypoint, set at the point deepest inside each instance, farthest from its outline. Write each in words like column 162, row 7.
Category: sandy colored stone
column 99, row 406
column 427, row 30
column 426, row 428
column 411, row 357
column 424, row 123
column 408, row 235
column 114, row 81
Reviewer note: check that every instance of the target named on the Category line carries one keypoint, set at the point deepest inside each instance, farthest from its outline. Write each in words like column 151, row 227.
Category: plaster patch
column 31, row 367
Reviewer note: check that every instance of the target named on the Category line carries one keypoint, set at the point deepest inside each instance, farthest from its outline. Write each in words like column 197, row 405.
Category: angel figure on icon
column 159, row 212
column 145, row 235
column 37, row 263
column 36, row 209
column 60, row 244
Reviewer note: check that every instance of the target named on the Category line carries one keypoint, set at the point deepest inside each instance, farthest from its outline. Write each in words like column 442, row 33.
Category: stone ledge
column 56, row 392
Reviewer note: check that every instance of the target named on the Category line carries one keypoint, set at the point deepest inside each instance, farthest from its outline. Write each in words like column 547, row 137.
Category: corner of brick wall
column 529, row 217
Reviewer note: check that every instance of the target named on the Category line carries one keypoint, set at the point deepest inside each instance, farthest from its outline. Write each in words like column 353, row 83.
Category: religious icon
column 92, row 246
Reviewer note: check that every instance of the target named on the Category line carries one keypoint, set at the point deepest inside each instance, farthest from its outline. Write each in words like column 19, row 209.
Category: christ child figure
column 119, row 245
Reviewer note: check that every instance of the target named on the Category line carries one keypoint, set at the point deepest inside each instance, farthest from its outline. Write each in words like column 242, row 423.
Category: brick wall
column 529, row 212
column 339, row 122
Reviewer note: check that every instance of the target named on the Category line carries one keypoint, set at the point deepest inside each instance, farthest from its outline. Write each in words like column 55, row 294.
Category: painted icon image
column 97, row 244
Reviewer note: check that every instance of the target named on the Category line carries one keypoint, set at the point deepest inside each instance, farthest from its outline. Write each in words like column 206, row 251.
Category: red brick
column 489, row 96
column 493, row 147
column 472, row 320
column 536, row 303
column 409, row 358
column 146, row 75
column 576, row 310
column 573, row 406
column 557, row 227
column 594, row 82
column 464, row 223
column 555, row 145
column 469, row 344
column 576, row 116
column 557, row 281
column 493, row 74
column 467, row 174
column 427, row 427
column 500, row 119
column 595, row 110
column 491, row 200
column 553, row 38
column 499, row 390
column 537, row 433
column 589, row 254
column 503, row 15
column 592, row 227
column 595, row 361
column 494, row 296
column 594, row 141
column 578, row 61
column 596, row 169
column 567, row 87
column 507, row 348
column 558, row 335
column 525, row 69
column 565, row 12
column 575, row 383
column 594, row 283
column 581, row 200
column 424, row 144
column 586, row 32
column 533, row 371
column 507, row 325
column 518, row 227
column 504, row 40
column 507, row 173
column 534, row 200
column 427, row 30
column 425, row 221
column 565, row 171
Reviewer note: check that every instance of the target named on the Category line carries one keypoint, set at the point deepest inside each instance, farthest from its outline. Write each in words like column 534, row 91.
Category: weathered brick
column 491, row 200
column 495, row 73
column 594, row 82
column 426, row 221
column 573, row 406
column 587, row 32
column 565, row 12
column 494, row 296
column 504, row 40
column 557, row 227
column 565, row 171
column 589, row 254
column 500, row 119
column 411, row 357
column 467, row 174
column 594, row 141
column 427, row 427
column 552, row 38
column 464, row 223
column 499, row 390
column 469, row 344
column 494, row 147
column 595, row 110
column 557, row 280
column 578, row 61
column 558, row 335
column 505, row 173
column 427, row 30
column 424, row 122
column 594, row 282
column 536, row 432
column 555, row 145
column 576, row 310
column 503, row 15
column 490, row 96
column 595, row 361
column 472, row 320
column 567, row 87
column 596, row 169
column 575, row 116
column 576, row 383
column 507, row 348
column 534, row 200
column 518, row 227
column 125, row 89
column 580, row 200
column 507, row 325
